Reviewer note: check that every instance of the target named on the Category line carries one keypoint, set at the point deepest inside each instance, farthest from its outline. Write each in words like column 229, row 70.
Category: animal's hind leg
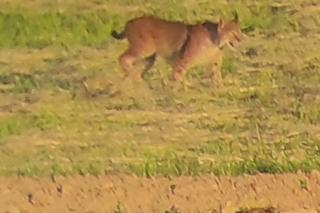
column 134, row 62
column 126, row 61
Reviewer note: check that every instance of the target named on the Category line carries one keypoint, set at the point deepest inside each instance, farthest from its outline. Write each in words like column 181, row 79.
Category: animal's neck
column 214, row 33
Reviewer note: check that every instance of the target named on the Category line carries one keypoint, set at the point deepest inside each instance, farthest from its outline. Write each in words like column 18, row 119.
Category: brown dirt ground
column 287, row 193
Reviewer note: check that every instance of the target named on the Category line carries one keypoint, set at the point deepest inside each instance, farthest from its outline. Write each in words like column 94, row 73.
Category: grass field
column 65, row 109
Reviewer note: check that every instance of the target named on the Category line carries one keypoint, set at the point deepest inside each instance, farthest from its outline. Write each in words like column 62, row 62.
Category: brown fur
column 181, row 45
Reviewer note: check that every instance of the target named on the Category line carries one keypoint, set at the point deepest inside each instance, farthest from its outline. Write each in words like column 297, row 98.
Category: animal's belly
column 167, row 50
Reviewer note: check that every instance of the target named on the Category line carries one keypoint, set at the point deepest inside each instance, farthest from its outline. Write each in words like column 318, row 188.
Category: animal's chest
column 207, row 54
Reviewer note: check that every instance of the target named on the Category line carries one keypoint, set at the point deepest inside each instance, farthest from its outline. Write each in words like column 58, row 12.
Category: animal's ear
column 236, row 16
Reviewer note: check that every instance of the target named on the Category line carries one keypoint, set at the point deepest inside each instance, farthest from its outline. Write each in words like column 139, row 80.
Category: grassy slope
column 64, row 108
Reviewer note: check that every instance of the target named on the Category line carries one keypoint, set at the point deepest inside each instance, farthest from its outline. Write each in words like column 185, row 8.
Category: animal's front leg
column 183, row 63
column 179, row 70
column 216, row 71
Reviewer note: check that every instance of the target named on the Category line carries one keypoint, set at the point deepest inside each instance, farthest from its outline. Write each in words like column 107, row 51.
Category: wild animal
column 182, row 45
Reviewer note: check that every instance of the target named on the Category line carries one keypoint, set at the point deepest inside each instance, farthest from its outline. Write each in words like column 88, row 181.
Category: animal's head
column 229, row 32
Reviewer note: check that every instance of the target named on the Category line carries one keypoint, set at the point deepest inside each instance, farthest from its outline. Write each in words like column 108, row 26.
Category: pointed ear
column 236, row 16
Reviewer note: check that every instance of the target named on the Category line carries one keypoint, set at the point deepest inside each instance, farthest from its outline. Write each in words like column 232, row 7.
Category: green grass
column 65, row 108
column 21, row 123
column 36, row 28
column 54, row 28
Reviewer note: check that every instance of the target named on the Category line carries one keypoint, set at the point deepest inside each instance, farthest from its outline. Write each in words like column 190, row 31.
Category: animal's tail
column 119, row 36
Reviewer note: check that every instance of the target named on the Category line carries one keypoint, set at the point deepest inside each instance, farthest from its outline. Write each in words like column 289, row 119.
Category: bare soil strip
column 119, row 193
